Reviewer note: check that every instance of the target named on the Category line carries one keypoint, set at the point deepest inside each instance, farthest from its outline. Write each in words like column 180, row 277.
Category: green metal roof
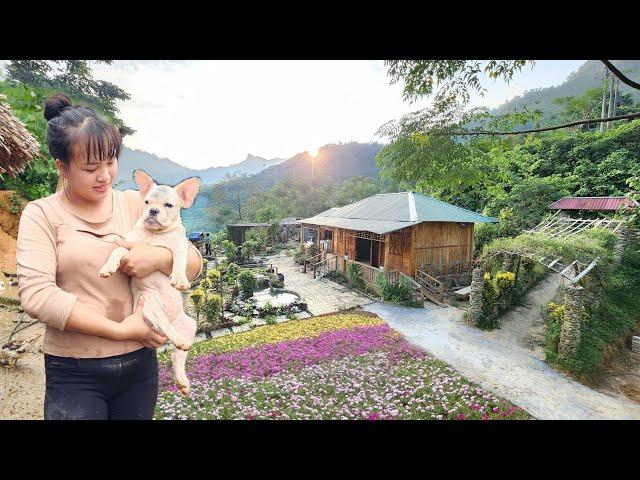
column 387, row 212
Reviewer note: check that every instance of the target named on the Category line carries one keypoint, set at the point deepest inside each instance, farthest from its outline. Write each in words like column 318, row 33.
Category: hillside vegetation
column 588, row 76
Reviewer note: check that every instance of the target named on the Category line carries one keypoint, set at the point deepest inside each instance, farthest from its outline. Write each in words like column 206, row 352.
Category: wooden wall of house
column 397, row 251
column 442, row 243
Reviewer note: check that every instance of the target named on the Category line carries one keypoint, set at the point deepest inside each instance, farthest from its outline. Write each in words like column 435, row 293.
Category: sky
column 205, row 113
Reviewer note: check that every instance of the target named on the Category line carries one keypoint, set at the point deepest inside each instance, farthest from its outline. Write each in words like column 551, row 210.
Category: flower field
column 342, row 366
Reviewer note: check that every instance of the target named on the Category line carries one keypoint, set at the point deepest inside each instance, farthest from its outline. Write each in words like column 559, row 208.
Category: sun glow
column 313, row 152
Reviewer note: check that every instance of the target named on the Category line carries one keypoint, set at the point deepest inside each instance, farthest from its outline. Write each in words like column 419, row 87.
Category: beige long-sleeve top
column 59, row 254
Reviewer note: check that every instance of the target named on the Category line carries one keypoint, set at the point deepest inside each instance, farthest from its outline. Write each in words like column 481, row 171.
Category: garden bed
column 339, row 366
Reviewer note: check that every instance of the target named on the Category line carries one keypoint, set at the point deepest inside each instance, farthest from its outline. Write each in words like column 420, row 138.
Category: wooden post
column 517, row 270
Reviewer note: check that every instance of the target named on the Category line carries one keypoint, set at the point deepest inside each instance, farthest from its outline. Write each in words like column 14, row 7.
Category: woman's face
column 90, row 181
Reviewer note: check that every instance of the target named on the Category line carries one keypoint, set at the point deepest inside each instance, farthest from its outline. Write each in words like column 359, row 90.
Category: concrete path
column 508, row 370
column 322, row 296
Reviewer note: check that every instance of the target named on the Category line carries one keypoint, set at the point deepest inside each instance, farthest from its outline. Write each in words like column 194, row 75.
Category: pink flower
column 460, row 416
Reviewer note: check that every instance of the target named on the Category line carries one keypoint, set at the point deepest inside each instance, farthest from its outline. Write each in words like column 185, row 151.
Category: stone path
column 507, row 369
column 322, row 296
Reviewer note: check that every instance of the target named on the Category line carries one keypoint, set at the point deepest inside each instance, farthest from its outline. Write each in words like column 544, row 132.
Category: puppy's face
column 162, row 203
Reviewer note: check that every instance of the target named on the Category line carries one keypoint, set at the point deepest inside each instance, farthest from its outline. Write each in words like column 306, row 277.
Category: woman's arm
column 36, row 256
column 134, row 327
column 144, row 259
column 42, row 299
column 194, row 262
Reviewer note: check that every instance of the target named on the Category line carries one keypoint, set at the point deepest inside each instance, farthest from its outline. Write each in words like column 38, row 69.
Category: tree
column 581, row 107
column 75, row 78
column 452, row 80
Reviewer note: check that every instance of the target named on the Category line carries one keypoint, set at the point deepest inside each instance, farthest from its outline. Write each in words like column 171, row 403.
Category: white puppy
column 161, row 225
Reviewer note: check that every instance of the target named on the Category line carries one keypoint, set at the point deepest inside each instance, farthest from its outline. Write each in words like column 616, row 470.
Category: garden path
column 505, row 368
column 322, row 296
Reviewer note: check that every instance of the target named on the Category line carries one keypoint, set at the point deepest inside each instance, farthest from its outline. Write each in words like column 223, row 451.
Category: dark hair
column 70, row 128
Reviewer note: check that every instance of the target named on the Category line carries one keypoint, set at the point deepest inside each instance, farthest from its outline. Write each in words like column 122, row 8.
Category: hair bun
column 55, row 104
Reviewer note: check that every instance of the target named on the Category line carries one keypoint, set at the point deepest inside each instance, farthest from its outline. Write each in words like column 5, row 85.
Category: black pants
column 207, row 248
column 123, row 387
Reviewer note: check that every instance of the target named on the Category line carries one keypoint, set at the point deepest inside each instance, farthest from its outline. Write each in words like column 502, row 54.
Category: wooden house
column 404, row 233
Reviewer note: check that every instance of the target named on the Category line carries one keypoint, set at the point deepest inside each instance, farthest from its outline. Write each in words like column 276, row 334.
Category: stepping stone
column 301, row 315
column 221, row 332
column 281, row 319
column 463, row 293
column 256, row 322
column 241, row 328
column 238, row 319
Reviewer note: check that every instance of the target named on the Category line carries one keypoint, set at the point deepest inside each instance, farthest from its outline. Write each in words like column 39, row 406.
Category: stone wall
column 573, row 313
column 623, row 241
column 475, row 296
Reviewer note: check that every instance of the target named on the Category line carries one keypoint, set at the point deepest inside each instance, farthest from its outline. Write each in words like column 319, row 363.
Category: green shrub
column 212, row 279
column 270, row 319
column 249, row 248
column 197, row 297
column 394, row 292
column 248, row 282
column 354, row 274
column 337, row 276
column 609, row 323
column 212, row 307
column 258, row 237
column 15, row 203
column 269, row 308
column 232, row 273
column 230, row 250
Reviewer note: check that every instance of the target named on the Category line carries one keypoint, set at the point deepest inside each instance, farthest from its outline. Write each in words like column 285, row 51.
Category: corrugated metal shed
column 592, row 203
column 249, row 225
column 388, row 212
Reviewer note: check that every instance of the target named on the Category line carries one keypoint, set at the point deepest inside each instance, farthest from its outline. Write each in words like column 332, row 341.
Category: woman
column 100, row 358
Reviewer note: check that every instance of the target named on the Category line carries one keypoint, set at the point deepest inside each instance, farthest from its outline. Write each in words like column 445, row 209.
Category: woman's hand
column 143, row 259
column 134, row 327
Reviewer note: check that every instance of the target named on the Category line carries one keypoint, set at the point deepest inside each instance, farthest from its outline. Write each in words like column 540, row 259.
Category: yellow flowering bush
column 197, row 296
column 213, row 274
column 505, row 280
column 284, row 331
column 556, row 312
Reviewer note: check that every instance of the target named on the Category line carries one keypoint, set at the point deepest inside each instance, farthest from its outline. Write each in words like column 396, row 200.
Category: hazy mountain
column 334, row 162
column 589, row 75
column 165, row 171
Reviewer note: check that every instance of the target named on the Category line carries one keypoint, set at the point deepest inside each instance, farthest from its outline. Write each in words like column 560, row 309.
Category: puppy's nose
column 154, row 212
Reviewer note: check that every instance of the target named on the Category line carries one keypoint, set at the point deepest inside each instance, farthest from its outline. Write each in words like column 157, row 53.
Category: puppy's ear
column 188, row 189
column 144, row 181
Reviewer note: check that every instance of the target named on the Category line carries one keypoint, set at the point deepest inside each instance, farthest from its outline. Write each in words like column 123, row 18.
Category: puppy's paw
column 181, row 344
column 183, row 384
column 107, row 270
column 179, row 282
column 184, row 389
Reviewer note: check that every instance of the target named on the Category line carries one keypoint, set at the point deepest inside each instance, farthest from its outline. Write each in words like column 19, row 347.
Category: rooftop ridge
column 455, row 206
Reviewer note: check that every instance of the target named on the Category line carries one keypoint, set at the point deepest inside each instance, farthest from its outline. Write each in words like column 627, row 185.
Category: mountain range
column 589, row 75
column 338, row 162
column 168, row 172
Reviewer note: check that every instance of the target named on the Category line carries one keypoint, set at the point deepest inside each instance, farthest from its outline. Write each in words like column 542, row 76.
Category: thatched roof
column 18, row 147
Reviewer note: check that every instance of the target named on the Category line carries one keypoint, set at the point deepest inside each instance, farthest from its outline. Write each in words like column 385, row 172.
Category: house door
column 363, row 250
column 375, row 253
